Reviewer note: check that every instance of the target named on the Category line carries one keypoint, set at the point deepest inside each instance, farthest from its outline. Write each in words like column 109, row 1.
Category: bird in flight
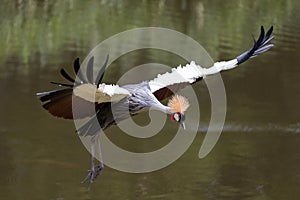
column 112, row 103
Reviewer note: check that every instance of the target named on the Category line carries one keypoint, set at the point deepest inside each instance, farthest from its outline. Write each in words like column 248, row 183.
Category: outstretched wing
column 163, row 86
column 81, row 94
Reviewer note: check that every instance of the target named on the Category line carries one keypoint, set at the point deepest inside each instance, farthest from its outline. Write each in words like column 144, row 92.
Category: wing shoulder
column 104, row 93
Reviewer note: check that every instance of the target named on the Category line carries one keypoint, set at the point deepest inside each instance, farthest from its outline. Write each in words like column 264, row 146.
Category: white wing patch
column 104, row 93
column 188, row 74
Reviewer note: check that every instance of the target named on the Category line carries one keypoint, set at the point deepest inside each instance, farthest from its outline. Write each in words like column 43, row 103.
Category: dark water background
column 258, row 154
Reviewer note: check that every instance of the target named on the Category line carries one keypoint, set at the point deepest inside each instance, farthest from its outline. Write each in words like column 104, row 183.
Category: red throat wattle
column 172, row 118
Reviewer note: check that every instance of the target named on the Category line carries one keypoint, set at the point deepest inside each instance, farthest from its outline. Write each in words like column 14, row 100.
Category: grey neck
column 161, row 107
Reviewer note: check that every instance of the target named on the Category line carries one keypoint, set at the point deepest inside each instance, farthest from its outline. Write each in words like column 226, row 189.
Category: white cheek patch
column 176, row 117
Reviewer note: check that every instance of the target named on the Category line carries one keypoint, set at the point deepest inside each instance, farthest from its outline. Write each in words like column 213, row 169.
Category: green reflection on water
column 48, row 161
column 32, row 29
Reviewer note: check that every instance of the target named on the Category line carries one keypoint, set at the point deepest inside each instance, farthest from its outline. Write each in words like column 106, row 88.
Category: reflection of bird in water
column 112, row 103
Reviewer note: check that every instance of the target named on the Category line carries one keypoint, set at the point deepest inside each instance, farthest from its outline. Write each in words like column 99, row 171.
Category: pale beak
column 182, row 124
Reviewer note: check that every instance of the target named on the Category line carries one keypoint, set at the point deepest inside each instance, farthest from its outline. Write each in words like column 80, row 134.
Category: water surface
column 257, row 156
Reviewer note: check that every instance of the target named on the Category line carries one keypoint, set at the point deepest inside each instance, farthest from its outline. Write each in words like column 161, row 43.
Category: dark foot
column 90, row 176
column 93, row 174
column 99, row 169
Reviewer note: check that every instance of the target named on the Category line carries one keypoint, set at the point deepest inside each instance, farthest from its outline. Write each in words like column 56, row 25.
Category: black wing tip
column 67, row 76
column 76, row 66
column 89, row 70
column 260, row 46
column 76, row 61
column 101, row 72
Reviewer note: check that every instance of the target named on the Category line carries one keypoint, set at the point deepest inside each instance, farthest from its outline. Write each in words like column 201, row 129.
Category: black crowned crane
column 134, row 98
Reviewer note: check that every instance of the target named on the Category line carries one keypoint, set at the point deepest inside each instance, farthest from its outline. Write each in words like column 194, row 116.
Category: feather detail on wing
column 62, row 102
column 104, row 93
column 163, row 86
column 59, row 103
